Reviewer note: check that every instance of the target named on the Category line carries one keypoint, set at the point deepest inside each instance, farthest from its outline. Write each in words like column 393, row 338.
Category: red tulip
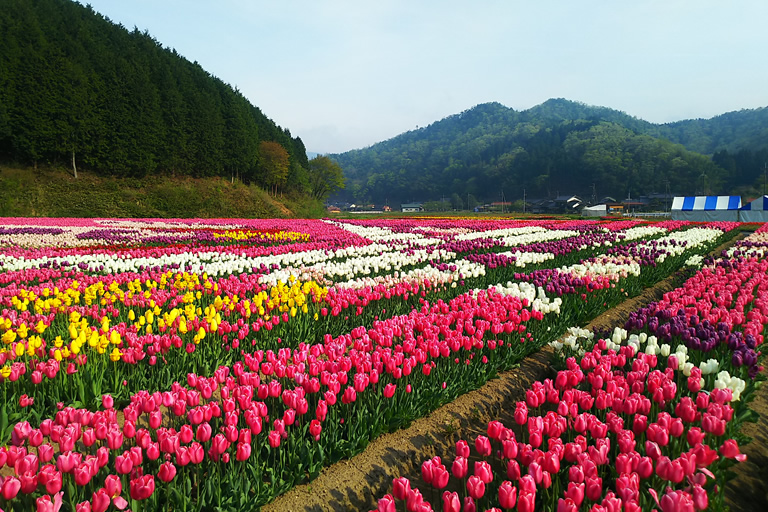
column 526, row 502
column 401, row 487
column 243, row 451
column 114, row 439
column 10, row 488
column 167, row 472
column 142, row 487
column 113, row 485
column 386, row 504
column 521, row 413
column 274, row 438
column 700, row 498
column 389, row 390
column 494, row 429
column 451, row 502
column 100, row 501
column 204, row 432
column 483, row 470
column 476, row 487
column 507, row 495
column 123, row 463
column 45, row 504
column 440, row 476
column 460, row 467
column 730, row 450
column 483, row 446
column 426, row 471
column 462, row 449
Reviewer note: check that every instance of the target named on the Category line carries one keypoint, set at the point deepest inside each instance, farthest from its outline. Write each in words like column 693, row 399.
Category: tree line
column 81, row 91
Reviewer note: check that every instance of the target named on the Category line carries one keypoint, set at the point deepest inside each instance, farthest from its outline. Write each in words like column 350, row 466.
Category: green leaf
column 3, row 420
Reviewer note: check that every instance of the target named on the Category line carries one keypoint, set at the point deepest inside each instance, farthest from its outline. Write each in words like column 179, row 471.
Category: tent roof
column 706, row 203
column 761, row 203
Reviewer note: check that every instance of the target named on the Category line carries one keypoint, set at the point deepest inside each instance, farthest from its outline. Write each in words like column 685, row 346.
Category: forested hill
column 562, row 147
column 78, row 90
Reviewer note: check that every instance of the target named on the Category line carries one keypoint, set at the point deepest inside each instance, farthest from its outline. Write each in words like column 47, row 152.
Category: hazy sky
column 345, row 74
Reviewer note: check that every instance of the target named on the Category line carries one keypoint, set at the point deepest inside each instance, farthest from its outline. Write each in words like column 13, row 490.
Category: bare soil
column 357, row 483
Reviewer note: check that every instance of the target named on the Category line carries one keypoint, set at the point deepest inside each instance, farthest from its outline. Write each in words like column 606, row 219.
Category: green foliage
column 557, row 147
column 55, row 193
column 75, row 86
column 325, row 177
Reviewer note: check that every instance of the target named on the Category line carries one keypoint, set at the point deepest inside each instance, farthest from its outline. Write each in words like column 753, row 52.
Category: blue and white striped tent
column 755, row 211
column 706, row 208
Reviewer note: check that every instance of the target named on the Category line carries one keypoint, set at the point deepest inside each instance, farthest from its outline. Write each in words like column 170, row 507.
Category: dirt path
column 749, row 490
column 357, row 483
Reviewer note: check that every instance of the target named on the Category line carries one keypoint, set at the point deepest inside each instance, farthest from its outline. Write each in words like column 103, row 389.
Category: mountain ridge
column 546, row 147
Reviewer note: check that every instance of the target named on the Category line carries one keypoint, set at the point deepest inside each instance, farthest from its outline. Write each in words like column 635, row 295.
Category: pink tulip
column 483, row 446
column 483, row 470
column 142, row 487
column 451, row 502
column 100, row 501
column 440, row 477
column 386, row 504
column 730, row 450
column 460, row 467
column 462, row 449
column 475, row 487
column 507, row 495
column 389, row 390
column 10, row 488
column 401, row 488
column 526, row 502
column 167, row 472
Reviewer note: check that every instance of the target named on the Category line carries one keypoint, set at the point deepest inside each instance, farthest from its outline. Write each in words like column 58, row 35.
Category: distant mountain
column 558, row 146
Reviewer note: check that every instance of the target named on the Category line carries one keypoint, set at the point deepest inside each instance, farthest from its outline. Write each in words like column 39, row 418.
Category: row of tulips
column 414, row 362
column 633, row 420
column 149, row 336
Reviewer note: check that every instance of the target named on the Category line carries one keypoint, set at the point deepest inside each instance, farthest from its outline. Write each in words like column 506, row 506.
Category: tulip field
column 215, row 364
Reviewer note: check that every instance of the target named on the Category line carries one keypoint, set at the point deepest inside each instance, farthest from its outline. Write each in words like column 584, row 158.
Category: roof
column 761, row 203
column 693, row 203
column 411, row 205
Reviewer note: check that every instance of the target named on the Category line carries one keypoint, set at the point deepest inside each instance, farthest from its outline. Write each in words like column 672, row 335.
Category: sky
column 346, row 74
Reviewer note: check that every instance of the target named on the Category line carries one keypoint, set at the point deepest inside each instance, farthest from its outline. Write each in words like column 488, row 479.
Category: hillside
column 55, row 193
column 559, row 146
column 79, row 91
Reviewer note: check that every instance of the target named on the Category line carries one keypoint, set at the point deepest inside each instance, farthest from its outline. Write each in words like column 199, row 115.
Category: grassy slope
column 56, row 193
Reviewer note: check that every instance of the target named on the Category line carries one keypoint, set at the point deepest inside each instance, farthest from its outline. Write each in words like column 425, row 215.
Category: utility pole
column 523, row 201
column 765, row 175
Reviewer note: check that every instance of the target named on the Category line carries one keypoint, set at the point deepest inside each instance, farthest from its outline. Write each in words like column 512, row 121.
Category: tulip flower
column 386, row 504
column 507, row 495
column 730, row 450
column 142, row 487
column 401, row 487
column 451, row 502
column 475, row 487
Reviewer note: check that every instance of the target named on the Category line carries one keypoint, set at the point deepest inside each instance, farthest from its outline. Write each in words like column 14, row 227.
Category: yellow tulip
column 9, row 337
